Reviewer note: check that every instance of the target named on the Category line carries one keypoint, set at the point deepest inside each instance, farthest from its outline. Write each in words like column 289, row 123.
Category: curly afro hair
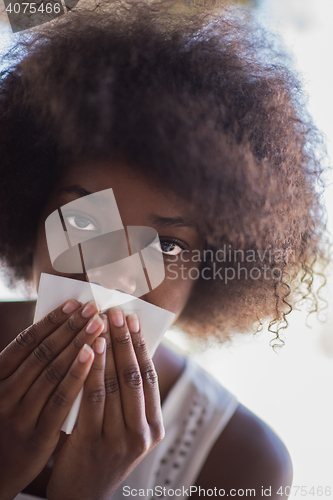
column 202, row 100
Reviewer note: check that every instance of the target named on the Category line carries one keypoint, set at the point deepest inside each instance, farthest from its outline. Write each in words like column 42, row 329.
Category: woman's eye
column 170, row 247
column 81, row 223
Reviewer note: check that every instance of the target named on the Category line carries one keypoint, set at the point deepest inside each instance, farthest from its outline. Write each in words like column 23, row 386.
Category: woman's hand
column 41, row 373
column 119, row 421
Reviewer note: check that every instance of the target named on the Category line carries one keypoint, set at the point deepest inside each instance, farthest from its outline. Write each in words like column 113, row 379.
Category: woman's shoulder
column 17, row 307
column 15, row 317
column 247, row 455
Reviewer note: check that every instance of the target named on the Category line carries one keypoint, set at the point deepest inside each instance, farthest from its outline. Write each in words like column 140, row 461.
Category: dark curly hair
column 203, row 100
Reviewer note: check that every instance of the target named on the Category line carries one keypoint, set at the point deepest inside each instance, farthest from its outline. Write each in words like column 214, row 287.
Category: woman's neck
column 169, row 367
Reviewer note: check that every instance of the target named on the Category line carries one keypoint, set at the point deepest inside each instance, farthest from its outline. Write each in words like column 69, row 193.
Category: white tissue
column 55, row 290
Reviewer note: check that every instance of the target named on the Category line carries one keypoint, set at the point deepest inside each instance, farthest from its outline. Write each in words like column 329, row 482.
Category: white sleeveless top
column 195, row 412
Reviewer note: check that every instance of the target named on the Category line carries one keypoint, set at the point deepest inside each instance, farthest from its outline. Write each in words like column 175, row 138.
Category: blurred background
column 291, row 389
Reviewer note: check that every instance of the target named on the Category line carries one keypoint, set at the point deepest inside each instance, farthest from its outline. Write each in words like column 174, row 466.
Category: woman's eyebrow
column 76, row 189
column 159, row 220
column 102, row 201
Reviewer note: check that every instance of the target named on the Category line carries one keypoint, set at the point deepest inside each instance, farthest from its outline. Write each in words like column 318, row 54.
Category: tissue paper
column 55, row 290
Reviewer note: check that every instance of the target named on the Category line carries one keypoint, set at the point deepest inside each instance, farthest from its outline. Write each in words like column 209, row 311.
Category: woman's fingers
column 25, row 343
column 59, row 404
column 121, row 390
column 113, row 414
column 54, row 373
column 129, row 375
column 149, row 377
column 91, row 414
column 44, row 355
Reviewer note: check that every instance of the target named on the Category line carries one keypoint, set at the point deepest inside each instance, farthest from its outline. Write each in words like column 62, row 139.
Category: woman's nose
column 126, row 275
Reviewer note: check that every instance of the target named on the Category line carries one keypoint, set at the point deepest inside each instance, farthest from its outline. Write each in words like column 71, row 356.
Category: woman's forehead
column 133, row 189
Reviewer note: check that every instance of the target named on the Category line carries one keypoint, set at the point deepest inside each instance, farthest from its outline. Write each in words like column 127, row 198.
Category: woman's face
column 141, row 202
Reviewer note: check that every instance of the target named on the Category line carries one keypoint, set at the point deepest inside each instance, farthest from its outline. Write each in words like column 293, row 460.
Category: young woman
column 202, row 136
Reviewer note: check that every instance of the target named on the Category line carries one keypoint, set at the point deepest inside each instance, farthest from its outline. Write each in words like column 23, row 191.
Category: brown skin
column 247, row 455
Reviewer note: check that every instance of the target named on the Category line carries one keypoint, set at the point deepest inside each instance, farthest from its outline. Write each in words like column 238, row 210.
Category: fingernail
column 105, row 321
column 89, row 309
column 117, row 316
column 99, row 345
column 133, row 323
column 95, row 323
column 70, row 306
column 85, row 353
